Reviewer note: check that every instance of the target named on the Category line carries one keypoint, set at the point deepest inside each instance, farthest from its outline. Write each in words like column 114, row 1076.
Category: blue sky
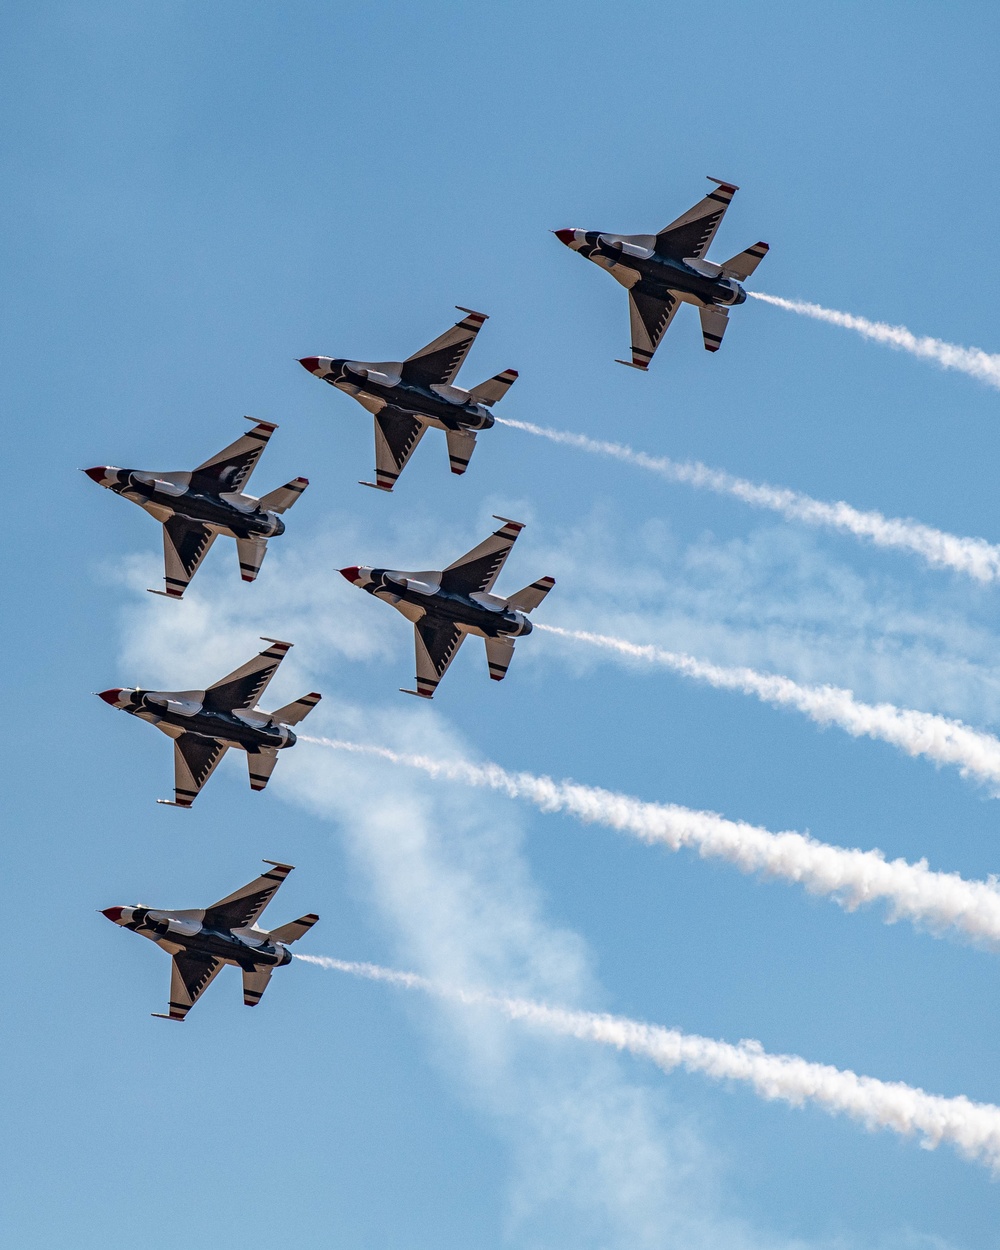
column 196, row 198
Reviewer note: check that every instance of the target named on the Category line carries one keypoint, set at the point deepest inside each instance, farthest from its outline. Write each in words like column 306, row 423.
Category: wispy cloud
column 940, row 901
column 974, row 557
column 973, row 361
column 972, row 1128
column 937, row 738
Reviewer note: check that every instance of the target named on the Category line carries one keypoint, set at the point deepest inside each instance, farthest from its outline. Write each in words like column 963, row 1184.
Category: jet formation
column 204, row 724
column 446, row 606
column 662, row 271
column 200, row 942
column 408, row 396
column 196, row 507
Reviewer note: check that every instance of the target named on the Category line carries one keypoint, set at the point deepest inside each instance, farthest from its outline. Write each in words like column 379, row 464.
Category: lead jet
column 445, row 607
column 662, row 271
column 204, row 724
column 202, row 941
column 196, row 507
column 408, row 396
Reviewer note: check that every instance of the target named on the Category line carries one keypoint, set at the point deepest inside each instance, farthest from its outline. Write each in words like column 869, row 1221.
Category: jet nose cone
column 352, row 574
column 565, row 236
column 97, row 474
column 311, row 363
column 114, row 914
column 110, row 696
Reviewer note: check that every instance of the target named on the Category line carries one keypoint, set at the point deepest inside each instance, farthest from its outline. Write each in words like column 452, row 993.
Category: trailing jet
column 407, row 396
column 202, row 941
column 204, row 724
column 197, row 507
column 447, row 606
column 662, row 271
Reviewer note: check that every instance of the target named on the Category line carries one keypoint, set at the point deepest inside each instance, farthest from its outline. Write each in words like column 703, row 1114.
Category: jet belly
column 428, row 407
column 467, row 615
column 230, row 729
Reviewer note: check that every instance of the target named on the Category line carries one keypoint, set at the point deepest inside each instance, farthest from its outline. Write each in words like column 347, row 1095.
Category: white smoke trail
column 972, row 1128
column 851, row 877
column 973, row 556
column 945, row 741
column 969, row 360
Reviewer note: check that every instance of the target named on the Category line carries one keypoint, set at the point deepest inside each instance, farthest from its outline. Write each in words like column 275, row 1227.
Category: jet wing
column 185, row 545
column 650, row 318
column 439, row 362
column 243, row 687
column 230, row 469
column 693, row 231
column 243, row 907
column 190, row 976
column 437, row 644
column 479, row 568
column 396, row 436
column 255, row 983
column 195, row 759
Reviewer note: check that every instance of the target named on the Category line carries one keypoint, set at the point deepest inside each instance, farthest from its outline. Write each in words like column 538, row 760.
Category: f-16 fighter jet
column 197, row 507
column 662, row 271
column 204, row 724
column 409, row 395
column 226, row 933
column 447, row 606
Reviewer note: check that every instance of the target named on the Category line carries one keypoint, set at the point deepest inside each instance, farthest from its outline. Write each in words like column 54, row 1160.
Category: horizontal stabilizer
column 281, row 500
column 492, row 391
column 261, row 765
column 250, row 552
column 499, row 653
column 713, row 325
column 292, row 713
column 254, row 984
column 461, row 445
column 295, row 929
column 530, row 597
column 743, row 265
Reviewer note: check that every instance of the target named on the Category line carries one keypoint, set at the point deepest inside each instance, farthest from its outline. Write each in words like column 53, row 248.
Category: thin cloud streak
column 972, row 1128
column 937, row 738
column 972, row 361
column 974, row 557
column 852, row 878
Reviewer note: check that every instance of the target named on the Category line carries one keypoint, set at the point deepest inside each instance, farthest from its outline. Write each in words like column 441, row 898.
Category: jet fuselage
column 232, row 513
column 175, row 713
column 484, row 615
column 368, row 388
column 176, row 932
column 658, row 275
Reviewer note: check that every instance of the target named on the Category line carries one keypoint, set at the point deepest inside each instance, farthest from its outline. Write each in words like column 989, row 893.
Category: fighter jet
column 202, row 941
column 447, row 606
column 409, row 395
column 204, row 724
column 198, row 506
column 662, row 271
